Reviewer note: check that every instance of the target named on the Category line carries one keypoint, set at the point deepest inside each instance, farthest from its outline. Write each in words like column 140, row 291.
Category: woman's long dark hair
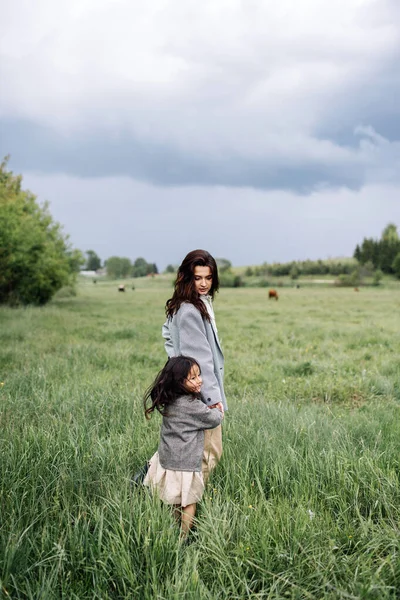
column 185, row 290
column 169, row 385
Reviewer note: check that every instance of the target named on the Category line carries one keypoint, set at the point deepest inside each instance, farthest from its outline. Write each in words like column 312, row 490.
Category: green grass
column 306, row 501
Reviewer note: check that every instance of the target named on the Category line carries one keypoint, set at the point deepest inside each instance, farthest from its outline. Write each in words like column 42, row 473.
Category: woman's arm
column 168, row 345
column 194, row 343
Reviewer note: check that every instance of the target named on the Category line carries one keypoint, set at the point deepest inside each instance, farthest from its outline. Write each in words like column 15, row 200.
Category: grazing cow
column 121, row 288
column 273, row 294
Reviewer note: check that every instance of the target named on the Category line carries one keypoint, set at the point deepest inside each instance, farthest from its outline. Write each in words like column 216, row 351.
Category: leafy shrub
column 238, row 281
column 377, row 277
column 264, row 283
column 396, row 265
column 227, row 279
column 351, row 280
column 35, row 259
column 68, row 291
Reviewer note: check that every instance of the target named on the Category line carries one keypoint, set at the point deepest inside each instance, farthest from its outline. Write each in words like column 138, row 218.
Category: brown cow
column 273, row 294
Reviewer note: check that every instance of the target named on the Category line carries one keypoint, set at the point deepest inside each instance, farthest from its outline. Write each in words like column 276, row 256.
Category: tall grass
column 306, row 501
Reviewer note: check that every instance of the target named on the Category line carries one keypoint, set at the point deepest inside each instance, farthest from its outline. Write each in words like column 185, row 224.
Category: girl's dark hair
column 169, row 385
column 185, row 290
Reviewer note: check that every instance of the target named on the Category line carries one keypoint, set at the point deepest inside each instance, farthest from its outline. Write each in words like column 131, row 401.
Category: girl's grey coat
column 189, row 334
column 182, row 433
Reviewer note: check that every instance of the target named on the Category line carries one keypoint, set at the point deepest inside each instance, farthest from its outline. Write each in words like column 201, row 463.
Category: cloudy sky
column 259, row 130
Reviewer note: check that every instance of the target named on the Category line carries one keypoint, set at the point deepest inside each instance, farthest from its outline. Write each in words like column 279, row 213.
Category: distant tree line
column 118, row 267
column 305, row 267
column 383, row 254
column 373, row 258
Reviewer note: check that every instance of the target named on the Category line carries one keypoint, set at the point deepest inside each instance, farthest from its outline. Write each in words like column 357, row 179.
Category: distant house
column 89, row 273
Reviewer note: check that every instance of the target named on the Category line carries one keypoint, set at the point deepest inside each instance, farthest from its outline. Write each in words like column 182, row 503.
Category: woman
column 190, row 330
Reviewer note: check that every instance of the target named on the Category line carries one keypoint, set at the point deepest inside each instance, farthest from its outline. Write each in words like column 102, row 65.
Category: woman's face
column 194, row 380
column 202, row 280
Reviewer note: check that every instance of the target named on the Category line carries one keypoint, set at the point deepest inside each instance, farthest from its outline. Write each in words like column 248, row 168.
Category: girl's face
column 202, row 280
column 193, row 381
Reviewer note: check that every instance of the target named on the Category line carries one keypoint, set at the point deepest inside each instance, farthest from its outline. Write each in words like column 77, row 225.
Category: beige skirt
column 174, row 487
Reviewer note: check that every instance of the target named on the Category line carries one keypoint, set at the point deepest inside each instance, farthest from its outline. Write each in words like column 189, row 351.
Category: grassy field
column 306, row 501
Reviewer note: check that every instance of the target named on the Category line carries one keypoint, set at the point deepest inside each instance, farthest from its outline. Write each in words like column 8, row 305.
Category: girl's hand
column 219, row 405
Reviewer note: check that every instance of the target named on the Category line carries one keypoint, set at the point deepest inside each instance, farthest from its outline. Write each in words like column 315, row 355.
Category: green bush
column 229, row 280
column 238, row 281
column 68, row 291
column 396, row 265
column 264, row 283
column 378, row 275
column 226, row 279
column 351, row 280
column 35, row 258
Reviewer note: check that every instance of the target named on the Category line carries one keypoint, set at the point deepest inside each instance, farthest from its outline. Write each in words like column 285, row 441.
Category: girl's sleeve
column 206, row 418
column 194, row 343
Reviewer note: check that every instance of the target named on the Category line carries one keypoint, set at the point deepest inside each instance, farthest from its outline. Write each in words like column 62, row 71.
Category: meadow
column 306, row 500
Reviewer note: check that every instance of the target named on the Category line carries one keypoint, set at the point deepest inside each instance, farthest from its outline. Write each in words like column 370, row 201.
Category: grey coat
column 189, row 334
column 182, row 433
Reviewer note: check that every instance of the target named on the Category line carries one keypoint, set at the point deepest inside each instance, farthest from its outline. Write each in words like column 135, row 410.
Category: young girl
column 175, row 470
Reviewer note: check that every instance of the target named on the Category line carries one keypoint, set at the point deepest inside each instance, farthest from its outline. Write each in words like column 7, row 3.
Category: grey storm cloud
column 298, row 96
column 39, row 148
column 376, row 103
